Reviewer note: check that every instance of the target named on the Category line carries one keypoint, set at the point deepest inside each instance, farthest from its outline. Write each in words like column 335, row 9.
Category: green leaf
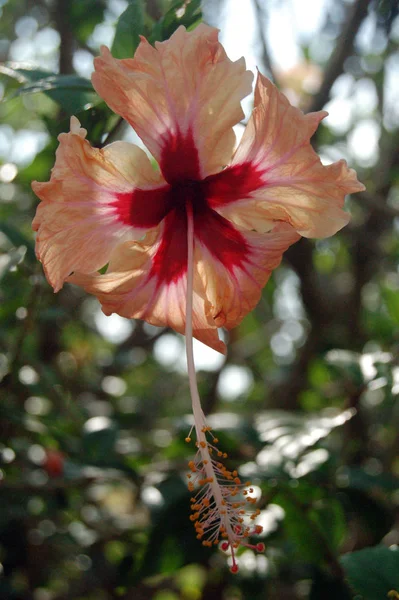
column 373, row 572
column 358, row 478
column 180, row 13
column 344, row 363
column 315, row 524
column 288, row 437
column 85, row 15
column 71, row 92
column 128, row 29
column 56, row 82
column 172, row 542
column 374, row 517
column 391, row 299
column 330, row 517
column 23, row 74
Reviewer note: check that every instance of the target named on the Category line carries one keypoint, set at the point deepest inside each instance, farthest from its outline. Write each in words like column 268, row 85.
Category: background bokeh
column 94, row 410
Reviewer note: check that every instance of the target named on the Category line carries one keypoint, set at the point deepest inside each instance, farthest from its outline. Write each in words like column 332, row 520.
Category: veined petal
column 232, row 266
column 275, row 174
column 94, row 199
column 148, row 280
column 182, row 98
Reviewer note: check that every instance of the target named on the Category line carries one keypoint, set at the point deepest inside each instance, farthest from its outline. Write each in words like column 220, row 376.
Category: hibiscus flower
column 189, row 245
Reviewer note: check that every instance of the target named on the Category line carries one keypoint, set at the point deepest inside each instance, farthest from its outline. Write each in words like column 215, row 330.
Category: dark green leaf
column 172, row 542
column 300, row 531
column 373, row 572
column 315, row 524
column 99, row 443
column 373, row 515
column 326, row 587
column 359, row 479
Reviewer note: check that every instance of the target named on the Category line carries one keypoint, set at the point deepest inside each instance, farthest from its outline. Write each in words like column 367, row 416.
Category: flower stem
column 218, row 510
column 199, row 417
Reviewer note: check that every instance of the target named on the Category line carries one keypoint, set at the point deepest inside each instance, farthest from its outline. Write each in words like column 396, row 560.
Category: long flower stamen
column 218, row 508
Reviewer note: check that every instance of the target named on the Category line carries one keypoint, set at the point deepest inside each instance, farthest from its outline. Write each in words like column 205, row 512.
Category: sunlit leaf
column 71, row 92
column 346, row 363
column 128, row 29
column 181, row 13
column 287, row 436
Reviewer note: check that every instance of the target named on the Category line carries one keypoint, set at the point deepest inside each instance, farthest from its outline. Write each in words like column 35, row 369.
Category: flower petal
column 234, row 265
column 148, row 280
column 94, row 199
column 275, row 174
column 182, row 98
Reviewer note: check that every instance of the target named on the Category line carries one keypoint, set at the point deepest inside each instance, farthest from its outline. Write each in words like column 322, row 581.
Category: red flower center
column 168, row 205
column 188, row 192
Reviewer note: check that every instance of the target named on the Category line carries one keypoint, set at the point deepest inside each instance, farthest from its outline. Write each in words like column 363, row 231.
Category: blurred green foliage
column 93, row 410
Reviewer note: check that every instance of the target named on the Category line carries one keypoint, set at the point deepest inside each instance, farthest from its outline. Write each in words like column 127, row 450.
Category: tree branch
column 335, row 66
column 262, row 37
column 63, row 25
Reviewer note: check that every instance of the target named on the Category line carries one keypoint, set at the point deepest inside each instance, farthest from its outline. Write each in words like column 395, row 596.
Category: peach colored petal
column 289, row 182
column 77, row 221
column 224, row 290
column 181, row 97
column 129, row 290
column 231, row 293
